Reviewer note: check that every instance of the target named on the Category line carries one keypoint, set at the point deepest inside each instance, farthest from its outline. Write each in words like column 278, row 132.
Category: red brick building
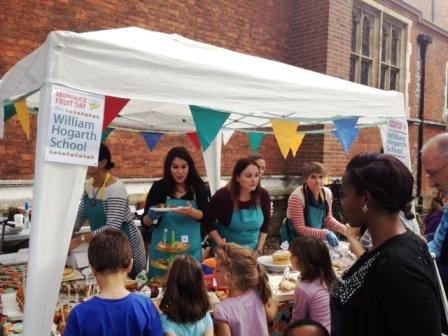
column 372, row 42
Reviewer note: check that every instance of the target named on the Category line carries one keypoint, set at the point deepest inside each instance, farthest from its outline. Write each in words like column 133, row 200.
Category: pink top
column 296, row 209
column 312, row 301
column 245, row 314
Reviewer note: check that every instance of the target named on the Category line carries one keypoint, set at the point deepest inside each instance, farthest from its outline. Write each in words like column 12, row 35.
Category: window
column 377, row 49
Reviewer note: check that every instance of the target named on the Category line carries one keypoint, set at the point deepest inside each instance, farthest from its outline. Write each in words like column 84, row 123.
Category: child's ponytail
column 263, row 285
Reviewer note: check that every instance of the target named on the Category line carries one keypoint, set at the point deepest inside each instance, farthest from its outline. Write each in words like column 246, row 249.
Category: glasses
column 437, row 172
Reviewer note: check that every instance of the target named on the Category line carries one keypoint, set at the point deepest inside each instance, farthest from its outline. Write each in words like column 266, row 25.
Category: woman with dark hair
column 105, row 204
column 181, row 186
column 240, row 211
column 309, row 209
column 391, row 289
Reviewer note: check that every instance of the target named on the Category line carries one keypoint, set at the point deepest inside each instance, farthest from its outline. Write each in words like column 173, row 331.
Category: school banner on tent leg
column 75, row 126
column 395, row 137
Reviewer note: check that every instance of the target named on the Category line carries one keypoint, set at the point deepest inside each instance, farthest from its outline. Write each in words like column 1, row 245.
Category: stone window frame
column 380, row 15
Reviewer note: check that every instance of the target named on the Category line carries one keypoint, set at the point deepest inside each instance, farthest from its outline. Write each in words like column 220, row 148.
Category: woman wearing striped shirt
column 105, row 204
column 309, row 209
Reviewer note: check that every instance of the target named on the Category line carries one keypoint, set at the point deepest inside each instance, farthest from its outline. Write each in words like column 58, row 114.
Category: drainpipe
column 423, row 41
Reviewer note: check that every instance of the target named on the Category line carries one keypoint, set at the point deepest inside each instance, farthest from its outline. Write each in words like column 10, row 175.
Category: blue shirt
column 435, row 246
column 133, row 315
column 187, row 329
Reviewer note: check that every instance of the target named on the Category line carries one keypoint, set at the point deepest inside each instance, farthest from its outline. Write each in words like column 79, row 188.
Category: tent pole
column 212, row 159
column 56, row 194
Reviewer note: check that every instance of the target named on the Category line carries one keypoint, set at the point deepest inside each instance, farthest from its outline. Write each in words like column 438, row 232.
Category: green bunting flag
column 106, row 133
column 10, row 111
column 255, row 139
column 208, row 123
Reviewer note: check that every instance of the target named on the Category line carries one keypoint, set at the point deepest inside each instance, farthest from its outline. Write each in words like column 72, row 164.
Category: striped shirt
column 117, row 212
column 296, row 210
column 245, row 314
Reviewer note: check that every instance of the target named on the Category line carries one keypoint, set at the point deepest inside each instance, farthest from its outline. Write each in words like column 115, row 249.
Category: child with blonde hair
column 249, row 305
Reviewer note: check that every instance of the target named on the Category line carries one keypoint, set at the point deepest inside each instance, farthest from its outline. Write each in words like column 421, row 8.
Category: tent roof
column 162, row 74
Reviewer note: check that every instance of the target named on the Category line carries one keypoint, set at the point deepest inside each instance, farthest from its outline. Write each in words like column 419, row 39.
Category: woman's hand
column 187, row 210
column 74, row 243
column 352, row 232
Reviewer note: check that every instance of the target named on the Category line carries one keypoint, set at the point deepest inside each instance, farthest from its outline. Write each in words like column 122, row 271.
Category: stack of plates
column 14, row 230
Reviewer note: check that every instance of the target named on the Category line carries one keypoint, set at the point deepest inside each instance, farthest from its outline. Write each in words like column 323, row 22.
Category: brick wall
column 259, row 27
column 314, row 34
column 309, row 34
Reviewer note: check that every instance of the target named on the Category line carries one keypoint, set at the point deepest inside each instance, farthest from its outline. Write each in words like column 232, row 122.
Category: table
column 25, row 233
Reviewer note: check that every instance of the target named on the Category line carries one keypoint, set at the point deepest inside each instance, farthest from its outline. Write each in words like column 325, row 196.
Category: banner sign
column 396, row 140
column 75, row 127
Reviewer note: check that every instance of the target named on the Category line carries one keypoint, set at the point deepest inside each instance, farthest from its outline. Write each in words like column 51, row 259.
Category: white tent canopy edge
column 162, row 69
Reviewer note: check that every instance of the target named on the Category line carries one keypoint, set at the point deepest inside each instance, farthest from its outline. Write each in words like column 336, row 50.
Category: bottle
column 26, row 216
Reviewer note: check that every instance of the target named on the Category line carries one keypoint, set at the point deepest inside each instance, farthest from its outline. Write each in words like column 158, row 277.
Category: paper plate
column 266, row 261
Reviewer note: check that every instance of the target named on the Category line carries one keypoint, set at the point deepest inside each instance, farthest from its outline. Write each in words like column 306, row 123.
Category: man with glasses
column 435, row 161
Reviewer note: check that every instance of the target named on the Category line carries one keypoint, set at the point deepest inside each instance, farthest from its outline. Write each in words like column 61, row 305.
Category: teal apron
column 316, row 217
column 244, row 229
column 97, row 217
column 182, row 225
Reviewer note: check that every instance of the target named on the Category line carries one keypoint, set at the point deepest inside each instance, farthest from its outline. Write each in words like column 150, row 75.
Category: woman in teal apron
column 309, row 209
column 181, row 187
column 240, row 212
column 105, row 205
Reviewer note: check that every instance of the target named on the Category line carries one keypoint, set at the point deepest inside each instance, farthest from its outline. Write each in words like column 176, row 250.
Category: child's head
column 306, row 327
column 237, row 268
column 311, row 257
column 185, row 298
column 110, row 252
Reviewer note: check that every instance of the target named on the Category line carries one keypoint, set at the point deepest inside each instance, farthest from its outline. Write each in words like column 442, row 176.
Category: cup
column 18, row 218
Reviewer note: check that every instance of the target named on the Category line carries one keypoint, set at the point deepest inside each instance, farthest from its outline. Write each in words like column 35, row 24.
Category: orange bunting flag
column 285, row 132
column 23, row 116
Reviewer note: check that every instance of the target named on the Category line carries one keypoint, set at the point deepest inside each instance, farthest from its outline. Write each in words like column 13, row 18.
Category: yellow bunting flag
column 23, row 116
column 285, row 132
column 297, row 141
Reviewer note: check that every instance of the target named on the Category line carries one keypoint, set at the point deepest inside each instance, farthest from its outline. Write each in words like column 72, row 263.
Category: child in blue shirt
column 114, row 312
column 185, row 301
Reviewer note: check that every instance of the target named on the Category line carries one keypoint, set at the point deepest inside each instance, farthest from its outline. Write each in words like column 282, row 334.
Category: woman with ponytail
column 249, row 305
column 312, row 297
column 309, row 209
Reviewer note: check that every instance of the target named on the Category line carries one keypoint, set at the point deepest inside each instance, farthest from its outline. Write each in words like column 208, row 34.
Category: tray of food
column 162, row 264
column 176, row 247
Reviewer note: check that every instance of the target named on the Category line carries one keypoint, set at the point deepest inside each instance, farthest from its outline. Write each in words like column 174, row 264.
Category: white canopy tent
column 162, row 75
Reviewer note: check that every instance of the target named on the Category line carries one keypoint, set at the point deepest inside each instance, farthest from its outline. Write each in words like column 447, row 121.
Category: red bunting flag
column 112, row 106
column 195, row 139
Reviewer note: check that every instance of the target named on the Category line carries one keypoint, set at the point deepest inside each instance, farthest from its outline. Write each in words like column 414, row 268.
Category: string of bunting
column 208, row 123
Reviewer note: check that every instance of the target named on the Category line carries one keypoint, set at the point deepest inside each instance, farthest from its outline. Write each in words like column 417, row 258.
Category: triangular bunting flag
column 10, row 111
column 255, row 139
column 296, row 143
column 208, row 122
column 346, row 132
column 106, row 133
column 24, row 116
column 226, row 135
column 194, row 139
column 285, row 132
column 112, row 106
column 151, row 139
